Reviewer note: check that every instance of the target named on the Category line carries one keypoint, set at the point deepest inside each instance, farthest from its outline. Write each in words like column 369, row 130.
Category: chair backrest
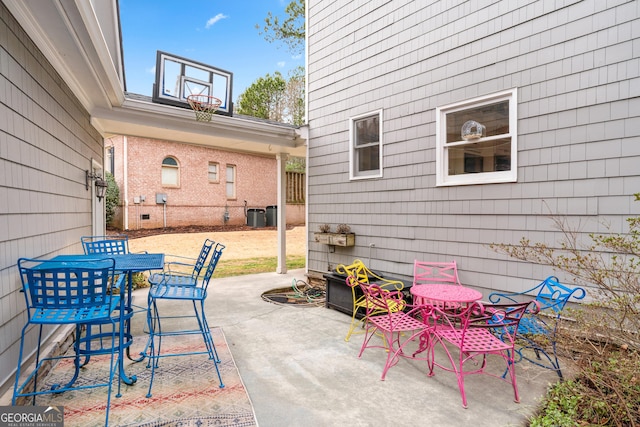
column 501, row 319
column 554, row 295
column 361, row 273
column 114, row 245
column 380, row 301
column 357, row 270
column 213, row 262
column 426, row 273
column 202, row 258
column 70, row 285
column 550, row 295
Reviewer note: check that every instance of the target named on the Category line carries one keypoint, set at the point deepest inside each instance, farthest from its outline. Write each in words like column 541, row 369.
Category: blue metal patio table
column 125, row 264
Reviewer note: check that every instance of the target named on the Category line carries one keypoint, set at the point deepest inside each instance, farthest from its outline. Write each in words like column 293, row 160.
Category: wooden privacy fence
column 296, row 187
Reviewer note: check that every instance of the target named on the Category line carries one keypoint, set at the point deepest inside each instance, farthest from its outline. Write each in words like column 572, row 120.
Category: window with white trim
column 477, row 140
column 213, row 172
column 170, row 172
column 365, row 141
column 231, row 181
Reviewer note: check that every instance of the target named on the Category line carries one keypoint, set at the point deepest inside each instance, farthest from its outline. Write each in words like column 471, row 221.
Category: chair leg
column 208, row 338
column 156, row 335
column 112, row 372
column 551, row 363
column 392, row 356
column 146, row 329
column 32, row 380
column 457, row 366
column 511, row 367
column 460, row 376
column 153, row 324
column 206, row 332
column 556, row 363
column 354, row 323
column 16, row 386
column 370, row 331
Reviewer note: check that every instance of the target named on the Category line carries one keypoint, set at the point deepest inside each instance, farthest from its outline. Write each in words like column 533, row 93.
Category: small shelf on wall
column 336, row 239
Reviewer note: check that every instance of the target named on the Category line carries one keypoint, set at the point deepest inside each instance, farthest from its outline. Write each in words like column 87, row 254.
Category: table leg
column 125, row 332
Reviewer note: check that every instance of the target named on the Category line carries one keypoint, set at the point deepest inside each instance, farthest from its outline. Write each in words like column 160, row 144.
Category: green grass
column 239, row 267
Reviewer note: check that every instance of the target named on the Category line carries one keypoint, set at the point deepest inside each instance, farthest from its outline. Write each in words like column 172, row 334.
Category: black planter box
column 338, row 294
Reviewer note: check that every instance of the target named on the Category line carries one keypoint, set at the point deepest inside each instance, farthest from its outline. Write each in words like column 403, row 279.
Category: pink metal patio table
column 448, row 294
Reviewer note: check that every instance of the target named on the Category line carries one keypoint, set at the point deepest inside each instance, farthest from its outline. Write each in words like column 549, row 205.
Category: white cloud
column 215, row 19
column 151, row 70
column 281, row 64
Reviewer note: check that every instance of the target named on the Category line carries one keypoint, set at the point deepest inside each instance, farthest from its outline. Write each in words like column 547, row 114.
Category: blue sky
column 215, row 32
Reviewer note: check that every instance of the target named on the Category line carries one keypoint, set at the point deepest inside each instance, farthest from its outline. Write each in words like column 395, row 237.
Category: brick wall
column 196, row 201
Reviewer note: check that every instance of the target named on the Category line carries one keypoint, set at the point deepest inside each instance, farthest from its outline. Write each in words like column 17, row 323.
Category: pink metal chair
column 471, row 334
column 428, row 273
column 385, row 316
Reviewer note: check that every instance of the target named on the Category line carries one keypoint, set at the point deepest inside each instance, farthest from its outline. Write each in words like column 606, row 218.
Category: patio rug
column 185, row 390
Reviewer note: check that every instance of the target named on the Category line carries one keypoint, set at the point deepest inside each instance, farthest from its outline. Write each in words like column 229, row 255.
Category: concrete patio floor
column 299, row 371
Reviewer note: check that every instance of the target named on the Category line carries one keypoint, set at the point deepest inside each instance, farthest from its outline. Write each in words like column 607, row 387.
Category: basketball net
column 204, row 106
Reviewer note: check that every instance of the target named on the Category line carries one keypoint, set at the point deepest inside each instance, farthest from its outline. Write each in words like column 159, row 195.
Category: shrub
column 604, row 338
column 111, row 198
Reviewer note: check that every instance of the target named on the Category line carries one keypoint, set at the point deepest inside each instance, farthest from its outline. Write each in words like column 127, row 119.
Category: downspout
column 125, row 184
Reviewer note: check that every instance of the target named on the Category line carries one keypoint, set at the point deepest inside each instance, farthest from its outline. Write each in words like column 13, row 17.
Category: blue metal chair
column 197, row 294
column 67, row 293
column 183, row 273
column 116, row 244
column 537, row 326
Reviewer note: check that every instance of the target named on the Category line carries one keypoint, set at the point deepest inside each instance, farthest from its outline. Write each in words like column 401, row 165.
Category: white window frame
column 217, row 173
column 230, row 184
column 442, row 159
column 355, row 174
column 175, row 169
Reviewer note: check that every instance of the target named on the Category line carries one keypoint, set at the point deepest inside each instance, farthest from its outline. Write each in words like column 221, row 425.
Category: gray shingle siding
column 576, row 65
column 46, row 143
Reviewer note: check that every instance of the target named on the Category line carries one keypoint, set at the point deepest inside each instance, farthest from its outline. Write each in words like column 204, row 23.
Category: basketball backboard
column 177, row 78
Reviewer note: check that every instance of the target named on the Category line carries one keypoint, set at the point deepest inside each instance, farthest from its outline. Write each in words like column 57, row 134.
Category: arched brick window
column 170, row 172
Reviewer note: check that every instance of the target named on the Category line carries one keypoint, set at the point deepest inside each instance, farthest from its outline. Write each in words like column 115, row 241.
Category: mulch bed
column 145, row 232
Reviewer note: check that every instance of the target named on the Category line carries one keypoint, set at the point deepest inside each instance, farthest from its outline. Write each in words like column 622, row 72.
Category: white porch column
column 281, row 214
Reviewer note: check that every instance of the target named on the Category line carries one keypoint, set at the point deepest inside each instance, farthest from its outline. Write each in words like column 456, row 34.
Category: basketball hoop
column 204, row 106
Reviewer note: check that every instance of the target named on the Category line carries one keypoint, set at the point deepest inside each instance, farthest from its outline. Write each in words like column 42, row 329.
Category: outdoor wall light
column 101, row 184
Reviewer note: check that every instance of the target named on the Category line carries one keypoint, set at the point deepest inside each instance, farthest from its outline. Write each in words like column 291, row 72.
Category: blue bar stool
column 197, row 295
column 67, row 293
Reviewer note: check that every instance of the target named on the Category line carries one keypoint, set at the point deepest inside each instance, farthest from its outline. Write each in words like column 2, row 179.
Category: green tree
column 296, row 164
column 111, row 198
column 274, row 98
column 294, row 97
column 289, row 30
column 264, row 98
